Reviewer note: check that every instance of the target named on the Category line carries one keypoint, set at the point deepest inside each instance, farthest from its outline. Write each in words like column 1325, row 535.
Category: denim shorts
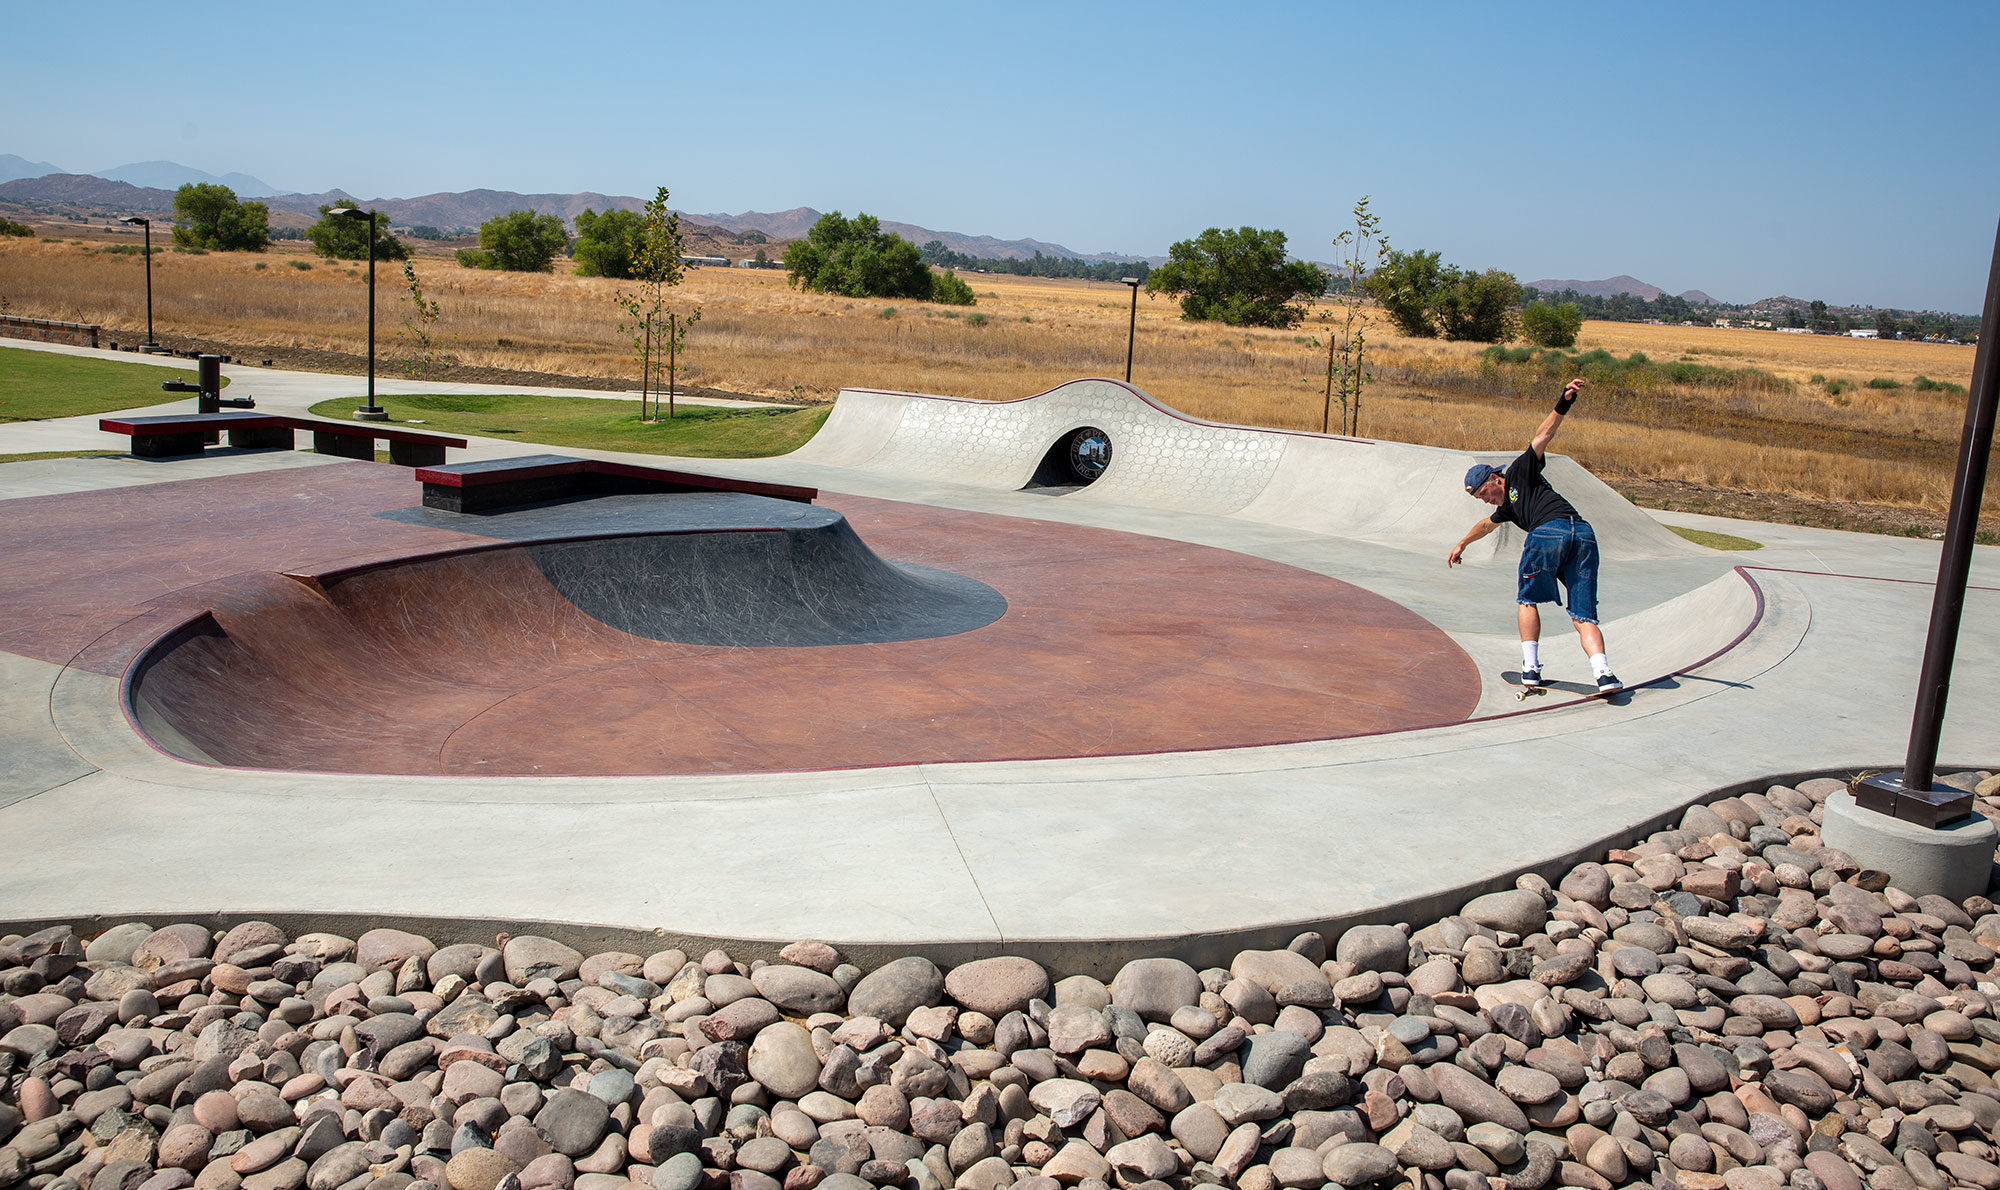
column 1563, row 550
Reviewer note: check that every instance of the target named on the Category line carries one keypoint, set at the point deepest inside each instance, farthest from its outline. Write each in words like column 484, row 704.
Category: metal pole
column 1961, row 530
column 1131, row 330
column 150, row 341
column 373, row 408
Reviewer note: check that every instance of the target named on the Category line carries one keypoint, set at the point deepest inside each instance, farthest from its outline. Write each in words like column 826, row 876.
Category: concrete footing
column 1954, row 861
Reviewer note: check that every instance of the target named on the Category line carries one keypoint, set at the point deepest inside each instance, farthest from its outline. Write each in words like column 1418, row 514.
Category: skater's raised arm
column 1553, row 421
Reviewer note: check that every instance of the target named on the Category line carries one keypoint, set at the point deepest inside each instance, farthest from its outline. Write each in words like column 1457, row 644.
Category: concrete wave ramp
column 1395, row 494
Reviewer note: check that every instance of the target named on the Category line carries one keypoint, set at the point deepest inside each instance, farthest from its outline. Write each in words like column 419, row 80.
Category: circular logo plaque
column 1089, row 453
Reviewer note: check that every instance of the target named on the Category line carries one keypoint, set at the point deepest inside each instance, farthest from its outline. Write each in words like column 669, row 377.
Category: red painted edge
column 473, row 479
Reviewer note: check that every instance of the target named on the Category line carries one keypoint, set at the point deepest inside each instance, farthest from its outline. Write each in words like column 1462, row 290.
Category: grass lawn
column 33, row 455
column 41, row 384
column 1717, row 541
column 697, row 431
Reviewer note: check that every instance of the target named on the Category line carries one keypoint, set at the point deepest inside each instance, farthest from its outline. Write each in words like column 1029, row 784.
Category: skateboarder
column 1560, row 548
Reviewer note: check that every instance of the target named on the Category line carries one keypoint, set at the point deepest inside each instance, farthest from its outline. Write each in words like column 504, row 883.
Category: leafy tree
column 657, row 331
column 427, row 359
column 1552, row 324
column 517, row 242
column 10, row 228
column 1426, row 299
column 208, row 216
column 1406, row 286
column 1819, row 320
column 856, row 258
column 338, row 237
column 1238, row 277
column 949, row 290
column 1344, row 372
column 604, row 243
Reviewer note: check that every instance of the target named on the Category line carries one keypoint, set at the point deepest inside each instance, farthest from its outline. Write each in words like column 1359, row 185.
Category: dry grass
column 1891, row 447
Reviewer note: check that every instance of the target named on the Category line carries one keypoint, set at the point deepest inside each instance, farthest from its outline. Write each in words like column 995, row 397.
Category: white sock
column 1598, row 665
column 1531, row 654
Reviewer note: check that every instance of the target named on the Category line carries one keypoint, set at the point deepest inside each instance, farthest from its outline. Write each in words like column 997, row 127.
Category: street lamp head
column 1132, row 281
column 137, row 221
column 350, row 213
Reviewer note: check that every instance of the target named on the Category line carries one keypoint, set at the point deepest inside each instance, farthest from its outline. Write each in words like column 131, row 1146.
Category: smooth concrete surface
column 1954, row 861
column 1082, row 863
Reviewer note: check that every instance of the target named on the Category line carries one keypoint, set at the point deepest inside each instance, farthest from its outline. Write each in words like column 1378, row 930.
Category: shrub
column 1884, row 382
column 948, row 288
column 262, row 264
column 888, row 312
column 10, row 228
column 1552, row 325
column 304, row 266
column 1836, row 387
column 975, row 320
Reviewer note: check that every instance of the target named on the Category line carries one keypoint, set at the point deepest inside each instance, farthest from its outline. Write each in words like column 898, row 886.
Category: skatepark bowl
column 711, row 632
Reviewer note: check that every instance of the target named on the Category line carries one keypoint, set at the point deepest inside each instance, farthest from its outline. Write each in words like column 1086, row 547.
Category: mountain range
column 161, row 175
column 1613, row 286
column 147, row 188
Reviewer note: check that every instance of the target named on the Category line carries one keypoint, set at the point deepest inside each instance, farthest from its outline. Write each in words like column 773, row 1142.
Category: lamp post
column 371, row 411
column 141, row 221
column 1131, row 329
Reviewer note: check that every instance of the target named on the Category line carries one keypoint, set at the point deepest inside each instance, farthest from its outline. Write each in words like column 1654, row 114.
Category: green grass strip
column 696, row 431
column 35, row 385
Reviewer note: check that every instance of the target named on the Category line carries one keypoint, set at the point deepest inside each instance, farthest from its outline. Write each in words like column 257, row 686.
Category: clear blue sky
column 1841, row 151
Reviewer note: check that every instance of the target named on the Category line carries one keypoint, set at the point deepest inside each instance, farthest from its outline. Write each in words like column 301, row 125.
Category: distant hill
column 12, row 167
column 86, row 190
column 171, row 175
column 795, row 223
column 1613, row 286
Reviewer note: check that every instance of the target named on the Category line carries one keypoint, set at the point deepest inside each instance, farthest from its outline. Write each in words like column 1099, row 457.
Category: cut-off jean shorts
column 1562, row 551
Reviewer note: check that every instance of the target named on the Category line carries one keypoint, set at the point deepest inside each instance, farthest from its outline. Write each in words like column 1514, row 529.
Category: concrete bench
column 167, row 435
column 504, row 483
column 356, row 440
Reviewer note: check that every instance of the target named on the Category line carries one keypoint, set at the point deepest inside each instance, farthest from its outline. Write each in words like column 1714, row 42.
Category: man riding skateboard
column 1560, row 548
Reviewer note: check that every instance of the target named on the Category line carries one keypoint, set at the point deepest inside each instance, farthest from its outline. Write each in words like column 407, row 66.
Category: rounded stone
column 1374, row 948
column 997, row 986
column 783, row 1060
column 478, row 1169
column 1156, row 988
column 891, row 992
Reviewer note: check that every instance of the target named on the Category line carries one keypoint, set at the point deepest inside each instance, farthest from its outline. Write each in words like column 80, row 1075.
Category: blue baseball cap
column 1479, row 474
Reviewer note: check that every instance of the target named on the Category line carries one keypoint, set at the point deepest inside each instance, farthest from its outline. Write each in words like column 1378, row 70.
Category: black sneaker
column 1531, row 677
column 1608, row 682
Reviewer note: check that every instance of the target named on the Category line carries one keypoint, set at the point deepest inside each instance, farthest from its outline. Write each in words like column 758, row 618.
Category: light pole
column 1132, row 329
column 371, row 411
column 141, row 221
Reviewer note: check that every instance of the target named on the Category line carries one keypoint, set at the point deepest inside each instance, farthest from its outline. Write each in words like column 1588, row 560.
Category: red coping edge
column 147, row 427
column 465, row 479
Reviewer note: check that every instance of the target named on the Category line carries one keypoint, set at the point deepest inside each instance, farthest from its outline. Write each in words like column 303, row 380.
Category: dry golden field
column 1781, row 436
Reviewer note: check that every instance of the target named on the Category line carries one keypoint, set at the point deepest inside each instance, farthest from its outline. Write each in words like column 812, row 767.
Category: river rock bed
column 1729, row 1003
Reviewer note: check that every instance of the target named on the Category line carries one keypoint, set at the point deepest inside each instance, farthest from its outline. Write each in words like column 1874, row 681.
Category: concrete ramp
column 1394, row 494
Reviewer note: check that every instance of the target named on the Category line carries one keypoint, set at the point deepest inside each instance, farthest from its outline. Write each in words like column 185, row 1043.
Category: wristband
column 1564, row 402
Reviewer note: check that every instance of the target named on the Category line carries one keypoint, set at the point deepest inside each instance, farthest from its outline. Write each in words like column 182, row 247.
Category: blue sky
column 1837, row 150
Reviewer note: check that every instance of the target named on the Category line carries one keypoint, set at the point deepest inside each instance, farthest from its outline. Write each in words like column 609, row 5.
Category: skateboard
column 1583, row 691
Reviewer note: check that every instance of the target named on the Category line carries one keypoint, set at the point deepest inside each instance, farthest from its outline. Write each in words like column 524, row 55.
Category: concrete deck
column 1805, row 660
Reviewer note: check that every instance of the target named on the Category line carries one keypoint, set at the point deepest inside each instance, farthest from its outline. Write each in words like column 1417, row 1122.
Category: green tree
column 1238, row 277
column 1406, row 285
column 1478, row 306
column 1885, row 324
column 1552, row 324
column 605, row 243
column 856, row 258
column 948, row 289
column 208, row 216
column 658, row 332
column 427, row 359
column 1344, row 371
column 338, row 237
column 1819, row 320
column 517, row 242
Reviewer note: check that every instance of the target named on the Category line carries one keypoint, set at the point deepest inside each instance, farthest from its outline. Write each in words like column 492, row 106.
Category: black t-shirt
column 1531, row 502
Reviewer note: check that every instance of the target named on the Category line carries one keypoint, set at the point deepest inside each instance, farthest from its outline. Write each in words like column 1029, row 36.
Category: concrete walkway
column 1080, row 863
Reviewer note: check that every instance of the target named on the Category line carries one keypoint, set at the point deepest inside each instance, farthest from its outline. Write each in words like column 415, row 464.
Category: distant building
column 1858, row 333
column 720, row 262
